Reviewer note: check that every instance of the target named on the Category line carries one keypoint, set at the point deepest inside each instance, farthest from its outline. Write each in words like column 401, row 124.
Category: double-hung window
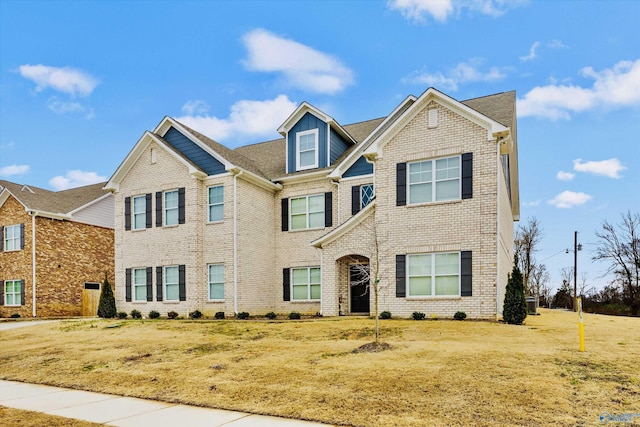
column 307, row 149
column 216, row 203
column 366, row 195
column 171, row 207
column 12, row 292
column 171, row 283
column 434, row 274
column 12, row 238
column 434, row 180
column 216, row 281
column 139, row 212
column 305, row 283
column 139, row 284
column 307, row 212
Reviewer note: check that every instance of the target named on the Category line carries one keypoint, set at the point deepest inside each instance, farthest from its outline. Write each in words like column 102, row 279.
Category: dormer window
column 307, row 149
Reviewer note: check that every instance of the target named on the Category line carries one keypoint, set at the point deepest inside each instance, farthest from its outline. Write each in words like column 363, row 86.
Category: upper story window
column 366, row 195
column 216, row 203
column 433, row 274
column 171, row 207
column 434, row 180
column 307, row 149
column 139, row 212
column 12, row 238
column 307, row 212
column 139, row 284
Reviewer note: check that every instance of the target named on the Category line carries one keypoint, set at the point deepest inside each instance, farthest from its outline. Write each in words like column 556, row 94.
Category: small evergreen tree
column 107, row 304
column 514, row 310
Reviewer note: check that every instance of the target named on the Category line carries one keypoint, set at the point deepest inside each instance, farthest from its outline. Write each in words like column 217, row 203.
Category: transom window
column 366, row 195
column 171, row 207
column 139, row 212
column 307, row 212
column 305, row 283
column 12, row 238
column 216, row 203
column 434, row 274
column 139, row 284
column 307, row 149
column 216, row 281
column 171, row 285
column 434, row 180
column 13, row 292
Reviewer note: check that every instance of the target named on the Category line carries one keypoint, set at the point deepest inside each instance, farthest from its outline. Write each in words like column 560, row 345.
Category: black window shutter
column 21, row 236
column 21, row 292
column 401, row 184
column 286, row 282
column 182, row 283
column 285, row 214
column 401, row 271
column 1, row 238
column 355, row 199
column 127, row 213
column 148, row 210
column 467, row 175
column 158, row 208
column 127, row 285
column 465, row 274
column 149, row 283
column 328, row 209
column 1, row 292
column 158, row 283
column 181, row 203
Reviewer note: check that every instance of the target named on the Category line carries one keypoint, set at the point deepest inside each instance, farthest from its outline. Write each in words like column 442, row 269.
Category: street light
column 576, row 247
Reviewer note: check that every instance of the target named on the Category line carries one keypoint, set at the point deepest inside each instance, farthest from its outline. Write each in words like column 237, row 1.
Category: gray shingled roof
column 500, row 107
column 62, row 202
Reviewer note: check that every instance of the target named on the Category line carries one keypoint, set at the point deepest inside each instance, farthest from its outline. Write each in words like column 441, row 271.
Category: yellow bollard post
column 581, row 325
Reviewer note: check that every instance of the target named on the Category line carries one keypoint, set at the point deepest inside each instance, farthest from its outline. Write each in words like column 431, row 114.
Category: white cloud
column 440, row 10
column 565, row 176
column 557, row 44
column 69, row 107
column 615, row 87
column 569, row 199
column 195, row 107
column 247, row 118
column 532, row 53
column 68, row 80
column 14, row 170
column 302, row 66
column 464, row 72
column 532, row 203
column 75, row 178
column 610, row 168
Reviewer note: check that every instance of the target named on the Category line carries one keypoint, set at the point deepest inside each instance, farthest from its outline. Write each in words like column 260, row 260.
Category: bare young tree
column 619, row 245
column 526, row 243
column 539, row 278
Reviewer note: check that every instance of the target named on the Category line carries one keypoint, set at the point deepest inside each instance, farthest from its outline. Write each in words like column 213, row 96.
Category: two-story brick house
column 53, row 245
column 286, row 225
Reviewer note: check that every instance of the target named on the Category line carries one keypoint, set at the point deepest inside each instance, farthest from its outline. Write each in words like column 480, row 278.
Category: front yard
column 440, row 372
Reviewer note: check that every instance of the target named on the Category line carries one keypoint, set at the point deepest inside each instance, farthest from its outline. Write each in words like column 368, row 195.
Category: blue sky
column 81, row 81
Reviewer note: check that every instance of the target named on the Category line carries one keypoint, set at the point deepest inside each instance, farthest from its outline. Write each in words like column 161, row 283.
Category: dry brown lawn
column 18, row 418
column 437, row 373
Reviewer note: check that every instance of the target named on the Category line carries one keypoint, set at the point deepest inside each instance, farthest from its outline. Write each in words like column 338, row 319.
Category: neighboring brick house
column 73, row 235
column 283, row 225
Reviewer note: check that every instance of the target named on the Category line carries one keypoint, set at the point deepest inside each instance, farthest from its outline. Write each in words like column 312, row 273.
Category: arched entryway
column 354, row 290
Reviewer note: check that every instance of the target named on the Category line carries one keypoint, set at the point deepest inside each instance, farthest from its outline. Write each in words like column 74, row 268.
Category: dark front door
column 359, row 288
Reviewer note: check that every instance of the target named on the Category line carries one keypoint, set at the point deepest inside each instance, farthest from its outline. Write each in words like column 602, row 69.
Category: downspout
column 235, row 241
column 337, row 183
column 498, row 242
column 33, row 262
column 321, row 280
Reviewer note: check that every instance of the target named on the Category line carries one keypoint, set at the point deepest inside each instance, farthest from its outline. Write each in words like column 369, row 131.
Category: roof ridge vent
column 26, row 188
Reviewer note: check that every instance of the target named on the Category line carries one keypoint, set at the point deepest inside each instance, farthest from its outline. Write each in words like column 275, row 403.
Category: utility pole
column 576, row 248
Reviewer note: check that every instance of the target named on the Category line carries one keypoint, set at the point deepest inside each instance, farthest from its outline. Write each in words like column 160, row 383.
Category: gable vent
column 433, row 117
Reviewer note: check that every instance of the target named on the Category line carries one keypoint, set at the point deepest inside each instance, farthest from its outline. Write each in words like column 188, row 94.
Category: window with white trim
column 434, row 180
column 139, row 212
column 305, row 283
column 307, row 212
column 307, row 149
column 216, row 281
column 12, row 238
column 216, row 203
column 171, row 207
column 12, row 292
column 171, row 283
column 366, row 195
column 435, row 274
column 139, row 284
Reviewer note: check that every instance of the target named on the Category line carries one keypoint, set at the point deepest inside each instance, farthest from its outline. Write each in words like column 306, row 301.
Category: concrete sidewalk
column 127, row 411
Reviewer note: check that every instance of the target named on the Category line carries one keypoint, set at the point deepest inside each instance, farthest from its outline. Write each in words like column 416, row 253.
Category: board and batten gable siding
column 360, row 167
column 307, row 122
column 100, row 213
column 193, row 152
column 337, row 146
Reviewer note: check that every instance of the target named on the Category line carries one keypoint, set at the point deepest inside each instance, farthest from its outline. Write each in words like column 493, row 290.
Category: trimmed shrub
column 107, row 303
column 172, row 315
column 418, row 315
column 122, row 315
column 243, row 315
column 385, row 315
column 219, row 315
column 153, row 314
column 460, row 315
column 195, row 314
column 135, row 314
column 271, row 315
column 294, row 315
column 15, row 315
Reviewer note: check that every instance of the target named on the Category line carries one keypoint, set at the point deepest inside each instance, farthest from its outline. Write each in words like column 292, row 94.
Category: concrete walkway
column 127, row 411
